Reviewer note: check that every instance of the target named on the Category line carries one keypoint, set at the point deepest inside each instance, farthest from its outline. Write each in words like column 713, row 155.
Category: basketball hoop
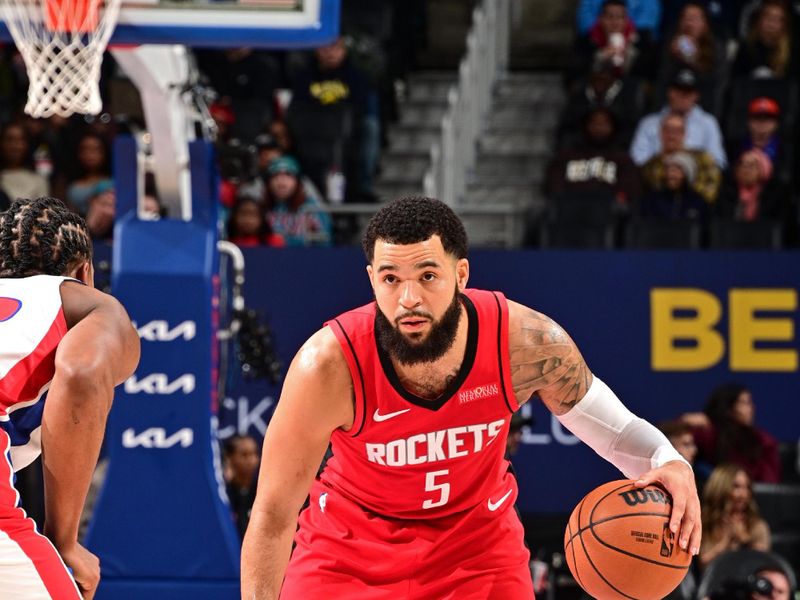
column 62, row 44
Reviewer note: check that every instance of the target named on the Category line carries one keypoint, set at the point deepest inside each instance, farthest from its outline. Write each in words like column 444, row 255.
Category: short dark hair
column 608, row 3
column 413, row 219
column 672, row 429
column 42, row 237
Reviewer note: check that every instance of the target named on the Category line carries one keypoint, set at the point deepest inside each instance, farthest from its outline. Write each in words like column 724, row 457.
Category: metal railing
column 468, row 102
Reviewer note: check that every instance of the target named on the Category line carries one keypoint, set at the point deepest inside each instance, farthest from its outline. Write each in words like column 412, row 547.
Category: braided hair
column 41, row 237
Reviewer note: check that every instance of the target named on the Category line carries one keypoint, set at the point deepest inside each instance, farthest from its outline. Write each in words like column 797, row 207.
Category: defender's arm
column 98, row 352
column 316, row 399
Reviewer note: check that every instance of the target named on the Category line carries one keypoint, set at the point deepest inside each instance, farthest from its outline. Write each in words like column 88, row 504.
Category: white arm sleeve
column 629, row 443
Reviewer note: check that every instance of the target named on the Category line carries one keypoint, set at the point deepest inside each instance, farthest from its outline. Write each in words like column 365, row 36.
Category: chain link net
column 62, row 43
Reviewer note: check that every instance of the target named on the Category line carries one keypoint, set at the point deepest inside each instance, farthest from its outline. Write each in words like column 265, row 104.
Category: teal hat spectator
column 283, row 164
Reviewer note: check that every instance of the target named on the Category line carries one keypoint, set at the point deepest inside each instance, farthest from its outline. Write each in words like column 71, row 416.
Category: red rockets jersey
column 408, row 457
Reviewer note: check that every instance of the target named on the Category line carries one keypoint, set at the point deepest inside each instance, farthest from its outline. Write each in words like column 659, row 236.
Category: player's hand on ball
column 85, row 568
column 678, row 479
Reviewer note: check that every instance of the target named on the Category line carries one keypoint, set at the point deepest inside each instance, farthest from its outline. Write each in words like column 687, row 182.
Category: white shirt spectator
column 702, row 133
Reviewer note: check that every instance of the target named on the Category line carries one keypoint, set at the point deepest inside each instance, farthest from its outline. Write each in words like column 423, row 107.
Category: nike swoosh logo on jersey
column 493, row 506
column 377, row 417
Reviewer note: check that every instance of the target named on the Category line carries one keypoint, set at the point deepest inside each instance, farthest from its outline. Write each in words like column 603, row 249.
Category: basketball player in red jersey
column 63, row 348
column 415, row 393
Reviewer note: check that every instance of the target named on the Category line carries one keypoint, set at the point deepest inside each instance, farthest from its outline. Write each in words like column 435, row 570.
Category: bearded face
column 414, row 347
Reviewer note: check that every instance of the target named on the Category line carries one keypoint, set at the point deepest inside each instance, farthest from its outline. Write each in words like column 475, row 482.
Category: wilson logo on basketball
column 634, row 497
column 478, row 393
column 667, row 541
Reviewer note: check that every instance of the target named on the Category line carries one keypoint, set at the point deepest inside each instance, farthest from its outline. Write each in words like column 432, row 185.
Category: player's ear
column 84, row 272
column 369, row 274
column 462, row 273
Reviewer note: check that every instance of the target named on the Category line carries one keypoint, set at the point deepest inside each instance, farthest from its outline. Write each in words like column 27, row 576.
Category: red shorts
column 345, row 551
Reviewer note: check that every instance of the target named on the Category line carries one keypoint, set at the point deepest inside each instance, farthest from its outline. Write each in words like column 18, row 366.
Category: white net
column 62, row 43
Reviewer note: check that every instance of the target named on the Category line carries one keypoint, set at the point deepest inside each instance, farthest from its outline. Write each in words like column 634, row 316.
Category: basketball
column 618, row 543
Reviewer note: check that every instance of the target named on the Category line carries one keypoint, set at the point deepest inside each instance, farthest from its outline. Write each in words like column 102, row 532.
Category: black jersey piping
column 466, row 366
column 500, row 351
column 360, row 376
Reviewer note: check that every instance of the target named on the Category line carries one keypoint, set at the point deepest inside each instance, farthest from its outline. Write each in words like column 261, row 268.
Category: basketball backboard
column 225, row 23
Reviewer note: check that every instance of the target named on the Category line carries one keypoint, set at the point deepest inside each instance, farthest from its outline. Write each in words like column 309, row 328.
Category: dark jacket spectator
column 676, row 201
column 245, row 80
column 596, row 163
column 769, row 49
column 603, row 89
column 241, row 468
column 707, row 177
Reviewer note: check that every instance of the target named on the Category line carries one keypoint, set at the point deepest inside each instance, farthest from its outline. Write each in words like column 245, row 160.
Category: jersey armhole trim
column 360, row 381
column 502, row 351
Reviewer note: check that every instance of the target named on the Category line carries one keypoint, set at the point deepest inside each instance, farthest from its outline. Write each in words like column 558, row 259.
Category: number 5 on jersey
column 432, row 486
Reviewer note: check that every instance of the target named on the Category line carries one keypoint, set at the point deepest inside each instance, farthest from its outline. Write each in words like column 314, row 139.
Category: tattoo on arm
column 545, row 361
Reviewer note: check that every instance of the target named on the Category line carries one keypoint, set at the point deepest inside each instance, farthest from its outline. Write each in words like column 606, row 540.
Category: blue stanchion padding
column 162, row 527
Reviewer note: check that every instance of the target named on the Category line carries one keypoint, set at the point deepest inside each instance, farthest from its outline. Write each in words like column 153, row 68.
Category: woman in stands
column 731, row 520
column 693, row 46
column 248, row 226
column 768, row 51
column 94, row 170
column 292, row 212
column 725, row 433
column 17, row 177
column 753, row 194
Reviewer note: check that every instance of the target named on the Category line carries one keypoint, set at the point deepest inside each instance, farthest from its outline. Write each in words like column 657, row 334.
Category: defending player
column 415, row 393
column 63, row 348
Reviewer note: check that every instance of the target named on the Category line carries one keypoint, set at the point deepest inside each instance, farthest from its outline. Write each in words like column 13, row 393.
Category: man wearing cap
column 702, row 128
column 763, row 122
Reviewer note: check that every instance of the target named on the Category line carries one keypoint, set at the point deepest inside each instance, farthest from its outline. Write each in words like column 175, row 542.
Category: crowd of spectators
column 730, row 454
column 700, row 96
column 295, row 130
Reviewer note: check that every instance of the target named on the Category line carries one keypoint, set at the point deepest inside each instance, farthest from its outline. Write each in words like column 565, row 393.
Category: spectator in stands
column 781, row 587
column 730, row 516
column 645, row 15
column 725, row 433
column 248, row 226
column 702, row 129
column 333, row 80
column 245, row 80
column 100, row 213
column 677, row 200
column 768, row 50
column 241, row 465
column 602, row 89
column 17, row 177
column 94, row 172
column 291, row 211
column 753, row 193
column 693, row 46
column 224, row 118
column 723, row 16
column 707, row 177
column 267, row 149
column 610, row 42
column 763, row 121
column 595, row 164
column 152, row 208
column 279, row 131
